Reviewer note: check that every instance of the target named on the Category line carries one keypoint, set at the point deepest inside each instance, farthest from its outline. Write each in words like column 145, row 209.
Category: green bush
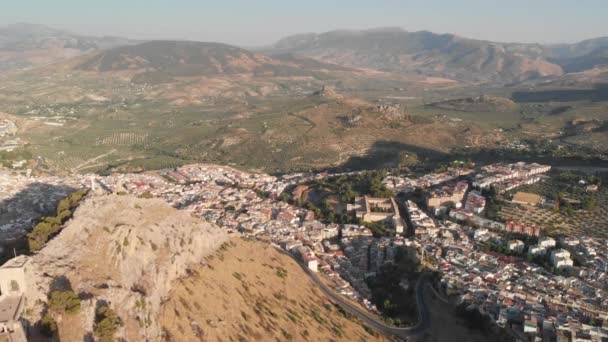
column 50, row 226
column 48, row 326
column 106, row 323
column 64, row 301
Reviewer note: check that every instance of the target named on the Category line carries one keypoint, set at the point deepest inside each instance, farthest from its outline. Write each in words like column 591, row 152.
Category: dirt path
column 89, row 161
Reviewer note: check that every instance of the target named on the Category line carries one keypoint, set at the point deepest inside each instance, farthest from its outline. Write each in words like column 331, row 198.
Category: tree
column 106, row 323
column 590, row 202
column 48, row 326
column 64, row 301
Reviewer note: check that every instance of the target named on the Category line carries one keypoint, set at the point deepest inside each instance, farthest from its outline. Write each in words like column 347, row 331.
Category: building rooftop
column 16, row 262
column 9, row 308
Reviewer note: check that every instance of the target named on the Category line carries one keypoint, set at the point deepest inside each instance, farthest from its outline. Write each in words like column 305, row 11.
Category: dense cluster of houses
column 505, row 177
column 8, row 141
column 7, row 128
column 558, row 300
column 533, row 301
column 565, row 299
column 407, row 184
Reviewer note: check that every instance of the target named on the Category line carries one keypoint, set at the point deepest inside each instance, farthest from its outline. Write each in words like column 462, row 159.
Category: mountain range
column 391, row 50
column 164, row 61
column 446, row 55
column 25, row 45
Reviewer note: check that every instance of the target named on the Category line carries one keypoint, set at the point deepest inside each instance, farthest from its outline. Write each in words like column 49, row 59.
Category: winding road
column 369, row 319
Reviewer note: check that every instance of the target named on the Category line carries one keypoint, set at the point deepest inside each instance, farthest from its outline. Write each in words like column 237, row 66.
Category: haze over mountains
column 25, row 45
column 161, row 61
column 391, row 50
column 446, row 55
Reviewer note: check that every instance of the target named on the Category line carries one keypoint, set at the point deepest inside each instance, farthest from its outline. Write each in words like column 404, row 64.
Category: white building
column 12, row 299
column 561, row 259
column 479, row 233
column 516, row 245
column 546, row 242
column 537, row 250
column 312, row 263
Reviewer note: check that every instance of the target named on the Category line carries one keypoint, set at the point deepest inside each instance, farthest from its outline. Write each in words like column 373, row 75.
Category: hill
column 27, row 45
column 164, row 61
column 595, row 58
column 484, row 103
column 121, row 251
column 443, row 55
column 250, row 291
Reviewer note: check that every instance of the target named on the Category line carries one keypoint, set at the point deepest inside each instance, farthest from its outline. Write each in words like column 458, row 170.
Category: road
column 366, row 317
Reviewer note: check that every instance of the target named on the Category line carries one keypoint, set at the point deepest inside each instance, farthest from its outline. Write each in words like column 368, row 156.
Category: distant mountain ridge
column 581, row 56
column 444, row 55
column 22, row 36
column 26, row 45
column 163, row 61
column 392, row 50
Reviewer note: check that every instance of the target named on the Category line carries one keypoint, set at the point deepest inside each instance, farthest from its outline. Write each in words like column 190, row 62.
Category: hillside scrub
column 106, row 323
column 50, row 226
column 64, row 301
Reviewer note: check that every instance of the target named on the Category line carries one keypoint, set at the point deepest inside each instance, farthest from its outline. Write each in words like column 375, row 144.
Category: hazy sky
column 259, row 22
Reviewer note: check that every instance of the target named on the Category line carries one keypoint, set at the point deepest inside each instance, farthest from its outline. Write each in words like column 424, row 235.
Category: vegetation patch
column 107, row 323
column 50, row 226
column 64, row 301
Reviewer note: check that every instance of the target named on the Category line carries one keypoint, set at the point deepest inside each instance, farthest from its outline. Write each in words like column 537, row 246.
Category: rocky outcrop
column 121, row 250
column 327, row 92
column 390, row 111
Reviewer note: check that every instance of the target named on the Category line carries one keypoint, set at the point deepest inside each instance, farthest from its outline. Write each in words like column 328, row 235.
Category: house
column 288, row 216
column 546, row 242
column 12, row 299
column 330, row 231
column 448, row 197
column 516, row 245
column 308, row 257
column 353, row 230
column 311, row 262
column 561, row 259
column 535, row 250
column 475, row 202
column 522, row 228
column 289, row 245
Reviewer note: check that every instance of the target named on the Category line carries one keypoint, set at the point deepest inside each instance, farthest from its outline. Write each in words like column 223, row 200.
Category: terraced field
column 123, row 139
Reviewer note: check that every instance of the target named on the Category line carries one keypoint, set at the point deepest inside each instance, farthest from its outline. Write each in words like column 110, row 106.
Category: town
column 533, row 284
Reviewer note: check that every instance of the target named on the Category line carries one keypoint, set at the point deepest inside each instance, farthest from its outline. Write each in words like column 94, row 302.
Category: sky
column 262, row 22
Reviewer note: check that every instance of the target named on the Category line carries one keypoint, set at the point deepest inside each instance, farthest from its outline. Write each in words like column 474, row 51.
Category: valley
column 360, row 185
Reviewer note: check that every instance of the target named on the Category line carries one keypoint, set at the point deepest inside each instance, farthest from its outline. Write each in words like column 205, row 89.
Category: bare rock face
column 390, row 111
column 327, row 92
column 125, row 251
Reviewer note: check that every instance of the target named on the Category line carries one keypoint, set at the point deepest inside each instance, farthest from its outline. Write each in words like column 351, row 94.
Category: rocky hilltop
column 123, row 251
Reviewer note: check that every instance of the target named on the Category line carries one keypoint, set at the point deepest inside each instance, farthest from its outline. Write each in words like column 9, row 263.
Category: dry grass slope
column 250, row 292
column 123, row 250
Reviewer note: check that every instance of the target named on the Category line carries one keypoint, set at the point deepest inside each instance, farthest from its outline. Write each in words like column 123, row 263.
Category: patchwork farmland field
column 590, row 221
